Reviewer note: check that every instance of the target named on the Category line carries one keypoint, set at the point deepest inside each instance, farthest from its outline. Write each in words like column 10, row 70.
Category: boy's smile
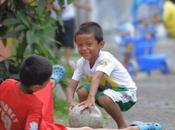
column 88, row 47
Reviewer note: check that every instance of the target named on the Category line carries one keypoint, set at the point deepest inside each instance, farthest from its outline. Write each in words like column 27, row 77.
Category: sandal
column 147, row 125
column 57, row 73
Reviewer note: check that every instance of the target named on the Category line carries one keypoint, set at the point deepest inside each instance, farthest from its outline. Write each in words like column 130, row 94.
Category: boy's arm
column 57, row 7
column 90, row 102
column 70, row 93
column 53, row 83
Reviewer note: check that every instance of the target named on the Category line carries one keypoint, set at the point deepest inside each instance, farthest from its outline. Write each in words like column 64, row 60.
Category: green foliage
column 63, row 2
column 61, row 110
column 31, row 28
column 68, row 75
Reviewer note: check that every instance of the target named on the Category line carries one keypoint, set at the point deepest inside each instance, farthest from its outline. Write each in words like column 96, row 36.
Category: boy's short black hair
column 90, row 27
column 35, row 70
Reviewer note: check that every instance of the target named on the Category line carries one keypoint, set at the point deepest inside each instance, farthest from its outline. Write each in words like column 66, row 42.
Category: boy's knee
column 82, row 94
column 104, row 100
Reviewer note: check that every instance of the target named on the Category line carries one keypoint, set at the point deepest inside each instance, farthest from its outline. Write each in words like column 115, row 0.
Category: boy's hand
column 71, row 105
column 88, row 104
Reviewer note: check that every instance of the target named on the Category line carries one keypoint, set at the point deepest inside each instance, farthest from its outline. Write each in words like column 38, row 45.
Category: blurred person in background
column 66, row 17
column 169, row 17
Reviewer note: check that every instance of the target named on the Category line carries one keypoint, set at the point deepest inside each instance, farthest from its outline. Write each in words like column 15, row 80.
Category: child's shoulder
column 105, row 54
column 81, row 60
column 8, row 84
column 9, row 81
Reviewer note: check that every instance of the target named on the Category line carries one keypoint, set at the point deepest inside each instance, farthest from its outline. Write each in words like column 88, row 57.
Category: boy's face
column 88, row 47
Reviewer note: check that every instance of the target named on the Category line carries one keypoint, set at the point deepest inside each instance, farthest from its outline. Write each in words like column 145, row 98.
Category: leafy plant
column 29, row 24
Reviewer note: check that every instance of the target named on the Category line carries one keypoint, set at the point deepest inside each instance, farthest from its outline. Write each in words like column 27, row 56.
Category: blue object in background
column 138, row 3
column 148, row 61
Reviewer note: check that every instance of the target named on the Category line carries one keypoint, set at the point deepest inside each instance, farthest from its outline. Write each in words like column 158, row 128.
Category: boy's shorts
column 122, row 96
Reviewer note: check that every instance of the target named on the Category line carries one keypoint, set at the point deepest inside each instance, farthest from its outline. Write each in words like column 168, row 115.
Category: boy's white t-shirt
column 108, row 64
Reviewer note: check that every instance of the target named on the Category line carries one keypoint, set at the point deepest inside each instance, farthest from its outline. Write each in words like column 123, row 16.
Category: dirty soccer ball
column 85, row 118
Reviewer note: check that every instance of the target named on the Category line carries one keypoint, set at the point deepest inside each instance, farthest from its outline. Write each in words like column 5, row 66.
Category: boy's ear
column 102, row 44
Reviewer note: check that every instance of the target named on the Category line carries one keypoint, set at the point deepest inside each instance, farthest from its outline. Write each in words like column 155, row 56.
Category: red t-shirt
column 46, row 97
column 18, row 111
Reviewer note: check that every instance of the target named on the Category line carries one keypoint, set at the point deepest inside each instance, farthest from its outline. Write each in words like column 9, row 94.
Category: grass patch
column 61, row 111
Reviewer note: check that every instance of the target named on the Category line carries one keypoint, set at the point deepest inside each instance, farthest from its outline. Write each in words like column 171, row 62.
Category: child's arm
column 90, row 102
column 53, row 83
column 70, row 93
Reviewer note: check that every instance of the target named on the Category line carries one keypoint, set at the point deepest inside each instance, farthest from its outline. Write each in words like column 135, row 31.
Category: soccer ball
column 91, row 119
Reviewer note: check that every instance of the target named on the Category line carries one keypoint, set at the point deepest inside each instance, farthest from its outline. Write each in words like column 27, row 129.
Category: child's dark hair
column 90, row 27
column 35, row 70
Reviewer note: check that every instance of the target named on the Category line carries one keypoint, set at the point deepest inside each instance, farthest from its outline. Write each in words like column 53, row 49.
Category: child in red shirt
column 28, row 104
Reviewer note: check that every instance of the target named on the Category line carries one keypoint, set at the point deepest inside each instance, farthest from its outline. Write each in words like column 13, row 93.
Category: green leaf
column 40, row 9
column 44, row 50
column 49, row 29
column 20, row 52
column 10, row 34
column 10, row 21
column 23, row 19
column 30, row 37
column 19, row 28
column 37, row 37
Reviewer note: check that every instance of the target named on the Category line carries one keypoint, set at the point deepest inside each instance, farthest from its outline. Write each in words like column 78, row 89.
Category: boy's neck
column 93, row 62
column 24, row 89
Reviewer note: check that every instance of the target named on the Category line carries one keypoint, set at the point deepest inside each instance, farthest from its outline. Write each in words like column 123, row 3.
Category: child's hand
column 88, row 104
column 71, row 105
